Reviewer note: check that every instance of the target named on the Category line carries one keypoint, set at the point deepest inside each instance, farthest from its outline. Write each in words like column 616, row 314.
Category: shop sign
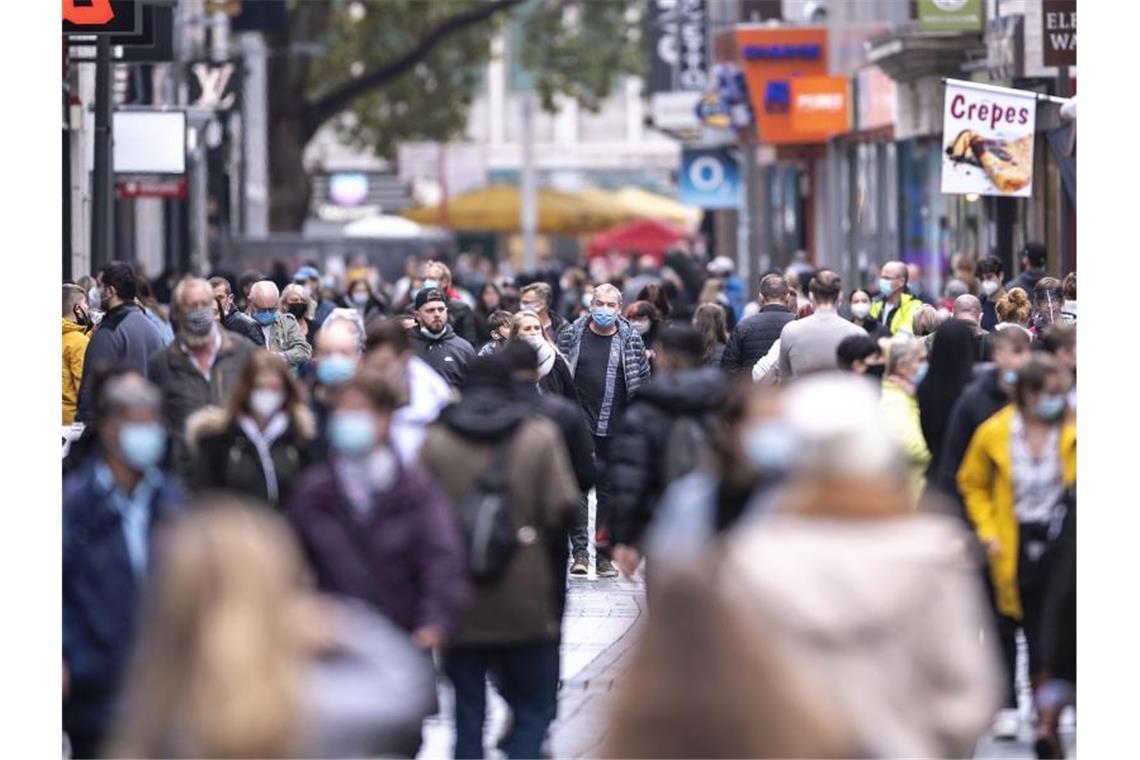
column 950, row 15
column 987, row 140
column 102, row 17
column 151, row 188
column 1059, row 32
column 709, row 178
column 678, row 61
column 1005, row 43
column 877, row 99
column 820, row 106
column 772, row 61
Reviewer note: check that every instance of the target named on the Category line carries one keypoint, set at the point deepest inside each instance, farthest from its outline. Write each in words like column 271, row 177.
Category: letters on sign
column 99, row 12
column 212, row 82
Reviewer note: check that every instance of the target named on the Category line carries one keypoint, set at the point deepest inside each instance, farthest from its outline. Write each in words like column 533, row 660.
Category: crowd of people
column 291, row 504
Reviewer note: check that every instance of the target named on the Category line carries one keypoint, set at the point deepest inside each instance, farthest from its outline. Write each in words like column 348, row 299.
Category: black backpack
column 485, row 515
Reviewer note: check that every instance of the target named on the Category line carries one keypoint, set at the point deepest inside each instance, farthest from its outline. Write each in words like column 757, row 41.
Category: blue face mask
column 603, row 317
column 142, row 444
column 429, row 284
column 770, row 448
column 360, row 299
column 335, row 369
column 352, row 433
column 885, row 287
column 1009, row 377
column 920, row 373
column 265, row 317
column 1049, row 408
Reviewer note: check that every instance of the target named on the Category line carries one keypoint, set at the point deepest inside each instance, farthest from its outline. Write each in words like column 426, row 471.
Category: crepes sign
column 987, row 140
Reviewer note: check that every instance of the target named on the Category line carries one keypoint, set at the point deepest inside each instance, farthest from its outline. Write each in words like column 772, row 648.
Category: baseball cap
column 306, row 273
column 429, row 294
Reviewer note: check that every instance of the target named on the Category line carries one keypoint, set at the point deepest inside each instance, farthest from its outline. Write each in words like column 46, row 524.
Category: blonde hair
column 218, row 663
column 1014, row 307
column 926, row 320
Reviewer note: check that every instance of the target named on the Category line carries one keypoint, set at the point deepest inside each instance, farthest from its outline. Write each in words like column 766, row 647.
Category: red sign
column 152, row 188
column 110, row 17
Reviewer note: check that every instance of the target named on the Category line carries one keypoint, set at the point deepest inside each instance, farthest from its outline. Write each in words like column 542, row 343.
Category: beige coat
column 520, row 607
column 883, row 613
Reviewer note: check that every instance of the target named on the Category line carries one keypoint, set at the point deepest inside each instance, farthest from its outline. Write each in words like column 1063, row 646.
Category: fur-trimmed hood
column 214, row 420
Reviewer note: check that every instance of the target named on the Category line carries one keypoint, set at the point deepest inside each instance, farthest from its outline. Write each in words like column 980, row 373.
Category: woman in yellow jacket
column 906, row 368
column 76, row 323
column 1012, row 480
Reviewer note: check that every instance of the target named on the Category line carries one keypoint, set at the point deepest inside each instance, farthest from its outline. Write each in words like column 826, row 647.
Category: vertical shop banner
column 988, row 140
column 710, row 178
column 678, row 61
column 950, row 15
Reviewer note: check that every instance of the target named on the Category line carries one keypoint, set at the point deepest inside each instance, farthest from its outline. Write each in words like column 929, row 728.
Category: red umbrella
column 641, row 236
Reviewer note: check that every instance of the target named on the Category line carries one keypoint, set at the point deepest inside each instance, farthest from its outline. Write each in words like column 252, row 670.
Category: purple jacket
column 406, row 559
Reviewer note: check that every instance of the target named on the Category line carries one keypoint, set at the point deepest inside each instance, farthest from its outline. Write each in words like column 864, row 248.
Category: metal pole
column 103, row 182
column 66, row 186
column 529, row 189
column 1067, row 211
column 744, row 246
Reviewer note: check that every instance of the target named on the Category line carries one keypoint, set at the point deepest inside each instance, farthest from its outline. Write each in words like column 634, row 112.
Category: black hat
column 682, row 339
column 519, row 356
column 1036, row 253
column 429, row 294
column 488, row 372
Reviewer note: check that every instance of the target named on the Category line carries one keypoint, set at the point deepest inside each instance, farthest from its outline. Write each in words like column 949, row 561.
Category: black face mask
column 298, row 310
column 81, row 317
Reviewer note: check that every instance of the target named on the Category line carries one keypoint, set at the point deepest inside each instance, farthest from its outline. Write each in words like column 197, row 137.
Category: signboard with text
column 101, row 17
column 987, row 140
column 772, row 60
column 709, row 178
column 1059, row 32
column 678, row 61
column 950, row 15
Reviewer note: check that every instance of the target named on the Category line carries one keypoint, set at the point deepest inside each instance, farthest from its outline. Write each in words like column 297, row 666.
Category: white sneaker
column 1006, row 725
column 1068, row 723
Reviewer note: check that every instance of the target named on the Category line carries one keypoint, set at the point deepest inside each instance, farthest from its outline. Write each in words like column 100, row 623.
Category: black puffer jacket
column 226, row 459
column 244, row 325
column 462, row 320
column 448, row 354
column 751, row 339
column 636, row 466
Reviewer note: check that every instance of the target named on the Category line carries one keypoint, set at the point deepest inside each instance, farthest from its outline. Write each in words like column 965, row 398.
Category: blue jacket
column 100, row 594
column 633, row 361
column 125, row 336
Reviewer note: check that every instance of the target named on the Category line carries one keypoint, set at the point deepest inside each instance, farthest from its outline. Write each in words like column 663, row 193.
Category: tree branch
column 339, row 99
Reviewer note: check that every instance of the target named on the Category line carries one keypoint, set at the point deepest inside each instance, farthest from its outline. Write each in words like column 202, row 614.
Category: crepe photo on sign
column 988, row 140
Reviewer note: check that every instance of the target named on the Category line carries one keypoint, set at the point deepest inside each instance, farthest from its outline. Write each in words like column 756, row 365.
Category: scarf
column 546, row 356
column 262, row 440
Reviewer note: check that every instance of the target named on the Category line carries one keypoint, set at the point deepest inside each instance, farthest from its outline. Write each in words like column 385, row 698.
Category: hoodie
column 446, row 353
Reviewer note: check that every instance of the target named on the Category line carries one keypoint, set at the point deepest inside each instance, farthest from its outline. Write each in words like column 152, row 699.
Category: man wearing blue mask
column 280, row 330
column 894, row 307
column 339, row 350
column 112, row 505
column 607, row 358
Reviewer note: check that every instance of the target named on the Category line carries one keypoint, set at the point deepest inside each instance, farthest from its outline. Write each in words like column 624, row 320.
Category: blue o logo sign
column 706, row 174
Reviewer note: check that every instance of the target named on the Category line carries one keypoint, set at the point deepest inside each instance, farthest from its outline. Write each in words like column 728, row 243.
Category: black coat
column 979, row 401
column 1027, row 281
column 462, row 320
column 448, row 355
column 636, row 464
column 559, row 381
column 951, row 370
column 124, row 337
column 244, row 325
column 224, row 458
column 752, row 338
column 185, row 389
column 575, row 433
column 1058, row 634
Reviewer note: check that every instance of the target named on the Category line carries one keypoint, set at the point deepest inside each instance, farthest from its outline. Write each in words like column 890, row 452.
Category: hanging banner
column 988, row 140
column 709, row 178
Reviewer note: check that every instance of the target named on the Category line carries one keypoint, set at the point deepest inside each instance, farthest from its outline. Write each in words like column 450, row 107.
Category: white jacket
column 885, row 614
column 429, row 393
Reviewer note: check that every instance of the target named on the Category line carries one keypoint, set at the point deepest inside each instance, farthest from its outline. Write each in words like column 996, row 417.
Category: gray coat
column 126, row 337
column 633, row 360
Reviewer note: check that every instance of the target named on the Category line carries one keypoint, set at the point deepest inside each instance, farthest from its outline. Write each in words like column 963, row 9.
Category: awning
column 641, row 236
column 498, row 208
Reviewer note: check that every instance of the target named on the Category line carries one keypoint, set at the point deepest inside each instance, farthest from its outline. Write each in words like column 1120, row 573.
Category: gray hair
column 349, row 318
column 264, row 285
column 967, row 304
column 129, row 392
column 293, row 287
column 956, row 288
column 901, row 350
column 185, row 284
column 605, row 287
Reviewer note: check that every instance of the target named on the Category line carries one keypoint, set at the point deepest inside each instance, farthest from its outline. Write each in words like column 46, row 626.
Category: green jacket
column 902, row 318
column 286, row 338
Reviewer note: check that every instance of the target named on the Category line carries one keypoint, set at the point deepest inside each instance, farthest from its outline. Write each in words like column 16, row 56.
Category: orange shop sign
column 773, row 60
column 820, row 106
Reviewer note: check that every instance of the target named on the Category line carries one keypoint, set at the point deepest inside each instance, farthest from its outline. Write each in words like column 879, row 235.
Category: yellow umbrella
column 498, row 209
column 647, row 205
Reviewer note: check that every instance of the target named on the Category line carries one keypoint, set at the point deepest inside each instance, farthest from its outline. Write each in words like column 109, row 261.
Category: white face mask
column 265, row 402
column 861, row 310
column 641, row 325
column 989, row 287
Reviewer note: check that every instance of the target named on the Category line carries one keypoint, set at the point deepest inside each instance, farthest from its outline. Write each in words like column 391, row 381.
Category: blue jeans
column 528, row 677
